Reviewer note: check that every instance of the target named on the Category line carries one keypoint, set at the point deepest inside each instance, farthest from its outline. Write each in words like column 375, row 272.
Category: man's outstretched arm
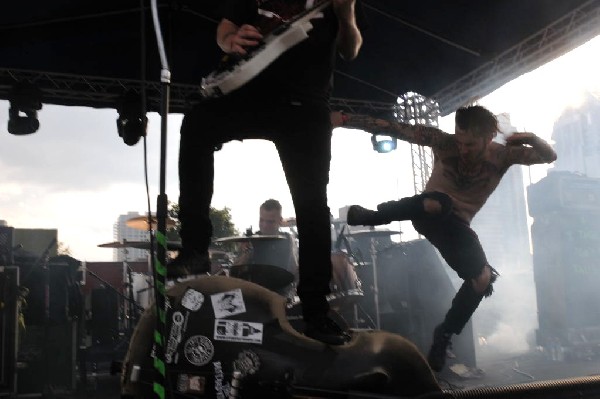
column 415, row 134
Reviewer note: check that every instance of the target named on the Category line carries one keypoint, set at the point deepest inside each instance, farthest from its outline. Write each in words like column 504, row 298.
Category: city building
column 123, row 232
column 577, row 137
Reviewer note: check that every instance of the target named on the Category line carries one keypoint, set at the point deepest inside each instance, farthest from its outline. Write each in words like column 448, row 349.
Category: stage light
column 132, row 121
column 25, row 100
column 383, row 144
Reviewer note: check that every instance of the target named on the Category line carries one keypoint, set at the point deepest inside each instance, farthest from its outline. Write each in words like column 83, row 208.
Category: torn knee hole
column 432, row 206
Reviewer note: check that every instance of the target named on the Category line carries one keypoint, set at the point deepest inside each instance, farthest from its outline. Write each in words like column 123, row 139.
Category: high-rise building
column 577, row 137
column 123, row 232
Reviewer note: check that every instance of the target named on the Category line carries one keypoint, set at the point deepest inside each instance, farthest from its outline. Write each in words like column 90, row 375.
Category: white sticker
column 228, row 303
column 189, row 383
column 192, row 300
column 198, row 350
column 247, row 362
column 222, row 391
column 174, row 336
column 238, row 331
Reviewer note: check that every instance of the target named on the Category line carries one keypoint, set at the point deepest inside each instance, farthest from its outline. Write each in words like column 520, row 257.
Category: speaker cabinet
column 9, row 283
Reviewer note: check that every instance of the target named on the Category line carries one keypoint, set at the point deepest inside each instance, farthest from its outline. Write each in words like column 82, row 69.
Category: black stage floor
column 525, row 368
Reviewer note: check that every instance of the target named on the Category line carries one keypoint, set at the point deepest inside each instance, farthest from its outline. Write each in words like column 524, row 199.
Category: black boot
column 404, row 209
column 359, row 216
column 439, row 348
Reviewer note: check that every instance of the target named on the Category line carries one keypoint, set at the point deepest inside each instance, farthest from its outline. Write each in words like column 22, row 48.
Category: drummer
column 280, row 253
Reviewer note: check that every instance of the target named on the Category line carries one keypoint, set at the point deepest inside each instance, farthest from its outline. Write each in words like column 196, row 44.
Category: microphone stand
column 159, row 265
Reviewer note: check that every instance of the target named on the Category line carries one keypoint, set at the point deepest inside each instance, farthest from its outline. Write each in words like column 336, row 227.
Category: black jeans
column 460, row 247
column 302, row 135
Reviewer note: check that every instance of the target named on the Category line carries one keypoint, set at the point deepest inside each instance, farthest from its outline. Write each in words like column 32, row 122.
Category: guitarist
column 286, row 103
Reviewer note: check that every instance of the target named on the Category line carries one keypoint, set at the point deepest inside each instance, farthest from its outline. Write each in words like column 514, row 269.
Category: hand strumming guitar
column 235, row 39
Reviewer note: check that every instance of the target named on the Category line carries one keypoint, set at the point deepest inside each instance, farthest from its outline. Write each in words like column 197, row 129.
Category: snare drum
column 345, row 285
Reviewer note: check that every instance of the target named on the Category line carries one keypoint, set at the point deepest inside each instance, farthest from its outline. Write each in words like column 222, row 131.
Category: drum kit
column 348, row 297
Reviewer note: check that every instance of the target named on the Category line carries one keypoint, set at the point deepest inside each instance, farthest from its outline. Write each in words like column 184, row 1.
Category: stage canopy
column 88, row 53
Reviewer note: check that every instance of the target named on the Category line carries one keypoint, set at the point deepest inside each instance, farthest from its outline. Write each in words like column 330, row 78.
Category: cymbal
column 373, row 233
column 141, row 223
column 271, row 277
column 256, row 237
column 171, row 245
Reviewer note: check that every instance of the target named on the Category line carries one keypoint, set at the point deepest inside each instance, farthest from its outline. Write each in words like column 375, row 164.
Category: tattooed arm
column 416, row 134
column 529, row 149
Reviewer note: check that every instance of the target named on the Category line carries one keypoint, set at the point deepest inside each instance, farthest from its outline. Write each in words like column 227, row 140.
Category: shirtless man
column 467, row 168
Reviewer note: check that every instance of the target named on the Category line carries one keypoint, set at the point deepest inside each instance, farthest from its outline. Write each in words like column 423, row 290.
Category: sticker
column 221, row 390
column 238, row 331
column 189, row 383
column 198, row 350
column 247, row 362
column 174, row 336
column 192, row 300
column 228, row 303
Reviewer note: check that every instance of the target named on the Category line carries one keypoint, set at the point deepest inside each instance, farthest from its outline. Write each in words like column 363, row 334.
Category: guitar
column 234, row 72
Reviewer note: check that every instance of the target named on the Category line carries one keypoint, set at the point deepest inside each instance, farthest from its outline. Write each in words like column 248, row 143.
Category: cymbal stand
column 132, row 310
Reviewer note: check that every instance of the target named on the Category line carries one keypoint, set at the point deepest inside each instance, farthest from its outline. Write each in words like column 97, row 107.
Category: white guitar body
column 275, row 44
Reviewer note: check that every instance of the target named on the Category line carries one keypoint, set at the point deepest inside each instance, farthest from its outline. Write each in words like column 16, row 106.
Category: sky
column 76, row 175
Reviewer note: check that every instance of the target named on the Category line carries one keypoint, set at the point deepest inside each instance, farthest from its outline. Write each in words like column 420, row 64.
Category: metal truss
column 568, row 32
column 415, row 109
column 100, row 92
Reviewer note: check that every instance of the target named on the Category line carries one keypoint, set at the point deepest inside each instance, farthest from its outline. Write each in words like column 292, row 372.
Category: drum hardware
column 171, row 245
column 373, row 233
column 143, row 222
column 345, row 285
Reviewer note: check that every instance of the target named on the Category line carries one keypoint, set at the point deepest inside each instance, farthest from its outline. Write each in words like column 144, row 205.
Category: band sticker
column 228, row 303
column 192, row 300
column 238, row 331
column 177, row 328
column 199, row 350
column 247, row 362
column 189, row 383
column 222, row 391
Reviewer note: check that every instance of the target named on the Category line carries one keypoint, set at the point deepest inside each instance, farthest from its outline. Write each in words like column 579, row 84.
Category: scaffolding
column 416, row 109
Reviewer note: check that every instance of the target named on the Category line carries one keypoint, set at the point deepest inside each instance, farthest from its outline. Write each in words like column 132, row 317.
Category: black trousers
column 460, row 247
column 301, row 133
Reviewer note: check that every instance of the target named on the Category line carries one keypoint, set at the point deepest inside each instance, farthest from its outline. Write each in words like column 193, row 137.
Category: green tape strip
column 159, row 390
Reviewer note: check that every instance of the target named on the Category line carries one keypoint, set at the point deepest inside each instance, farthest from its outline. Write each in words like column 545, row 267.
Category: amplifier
column 9, row 285
column 6, row 246
column 564, row 191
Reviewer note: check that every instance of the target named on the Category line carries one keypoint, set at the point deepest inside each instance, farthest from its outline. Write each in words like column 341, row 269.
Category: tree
column 220, row 219
column 63, row 249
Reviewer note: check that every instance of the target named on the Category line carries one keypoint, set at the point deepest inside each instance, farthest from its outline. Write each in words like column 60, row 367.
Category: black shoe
column 188, row 262
column 439, row 349
column 325, row 330
column 359, row 216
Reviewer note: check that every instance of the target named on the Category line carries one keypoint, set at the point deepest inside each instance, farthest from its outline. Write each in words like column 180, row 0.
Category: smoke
column 505, row 323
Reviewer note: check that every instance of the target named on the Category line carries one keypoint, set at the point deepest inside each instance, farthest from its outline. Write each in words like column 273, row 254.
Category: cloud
column 75, row 149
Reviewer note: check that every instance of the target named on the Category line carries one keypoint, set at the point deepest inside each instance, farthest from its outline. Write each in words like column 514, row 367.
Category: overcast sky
column 76, row 174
